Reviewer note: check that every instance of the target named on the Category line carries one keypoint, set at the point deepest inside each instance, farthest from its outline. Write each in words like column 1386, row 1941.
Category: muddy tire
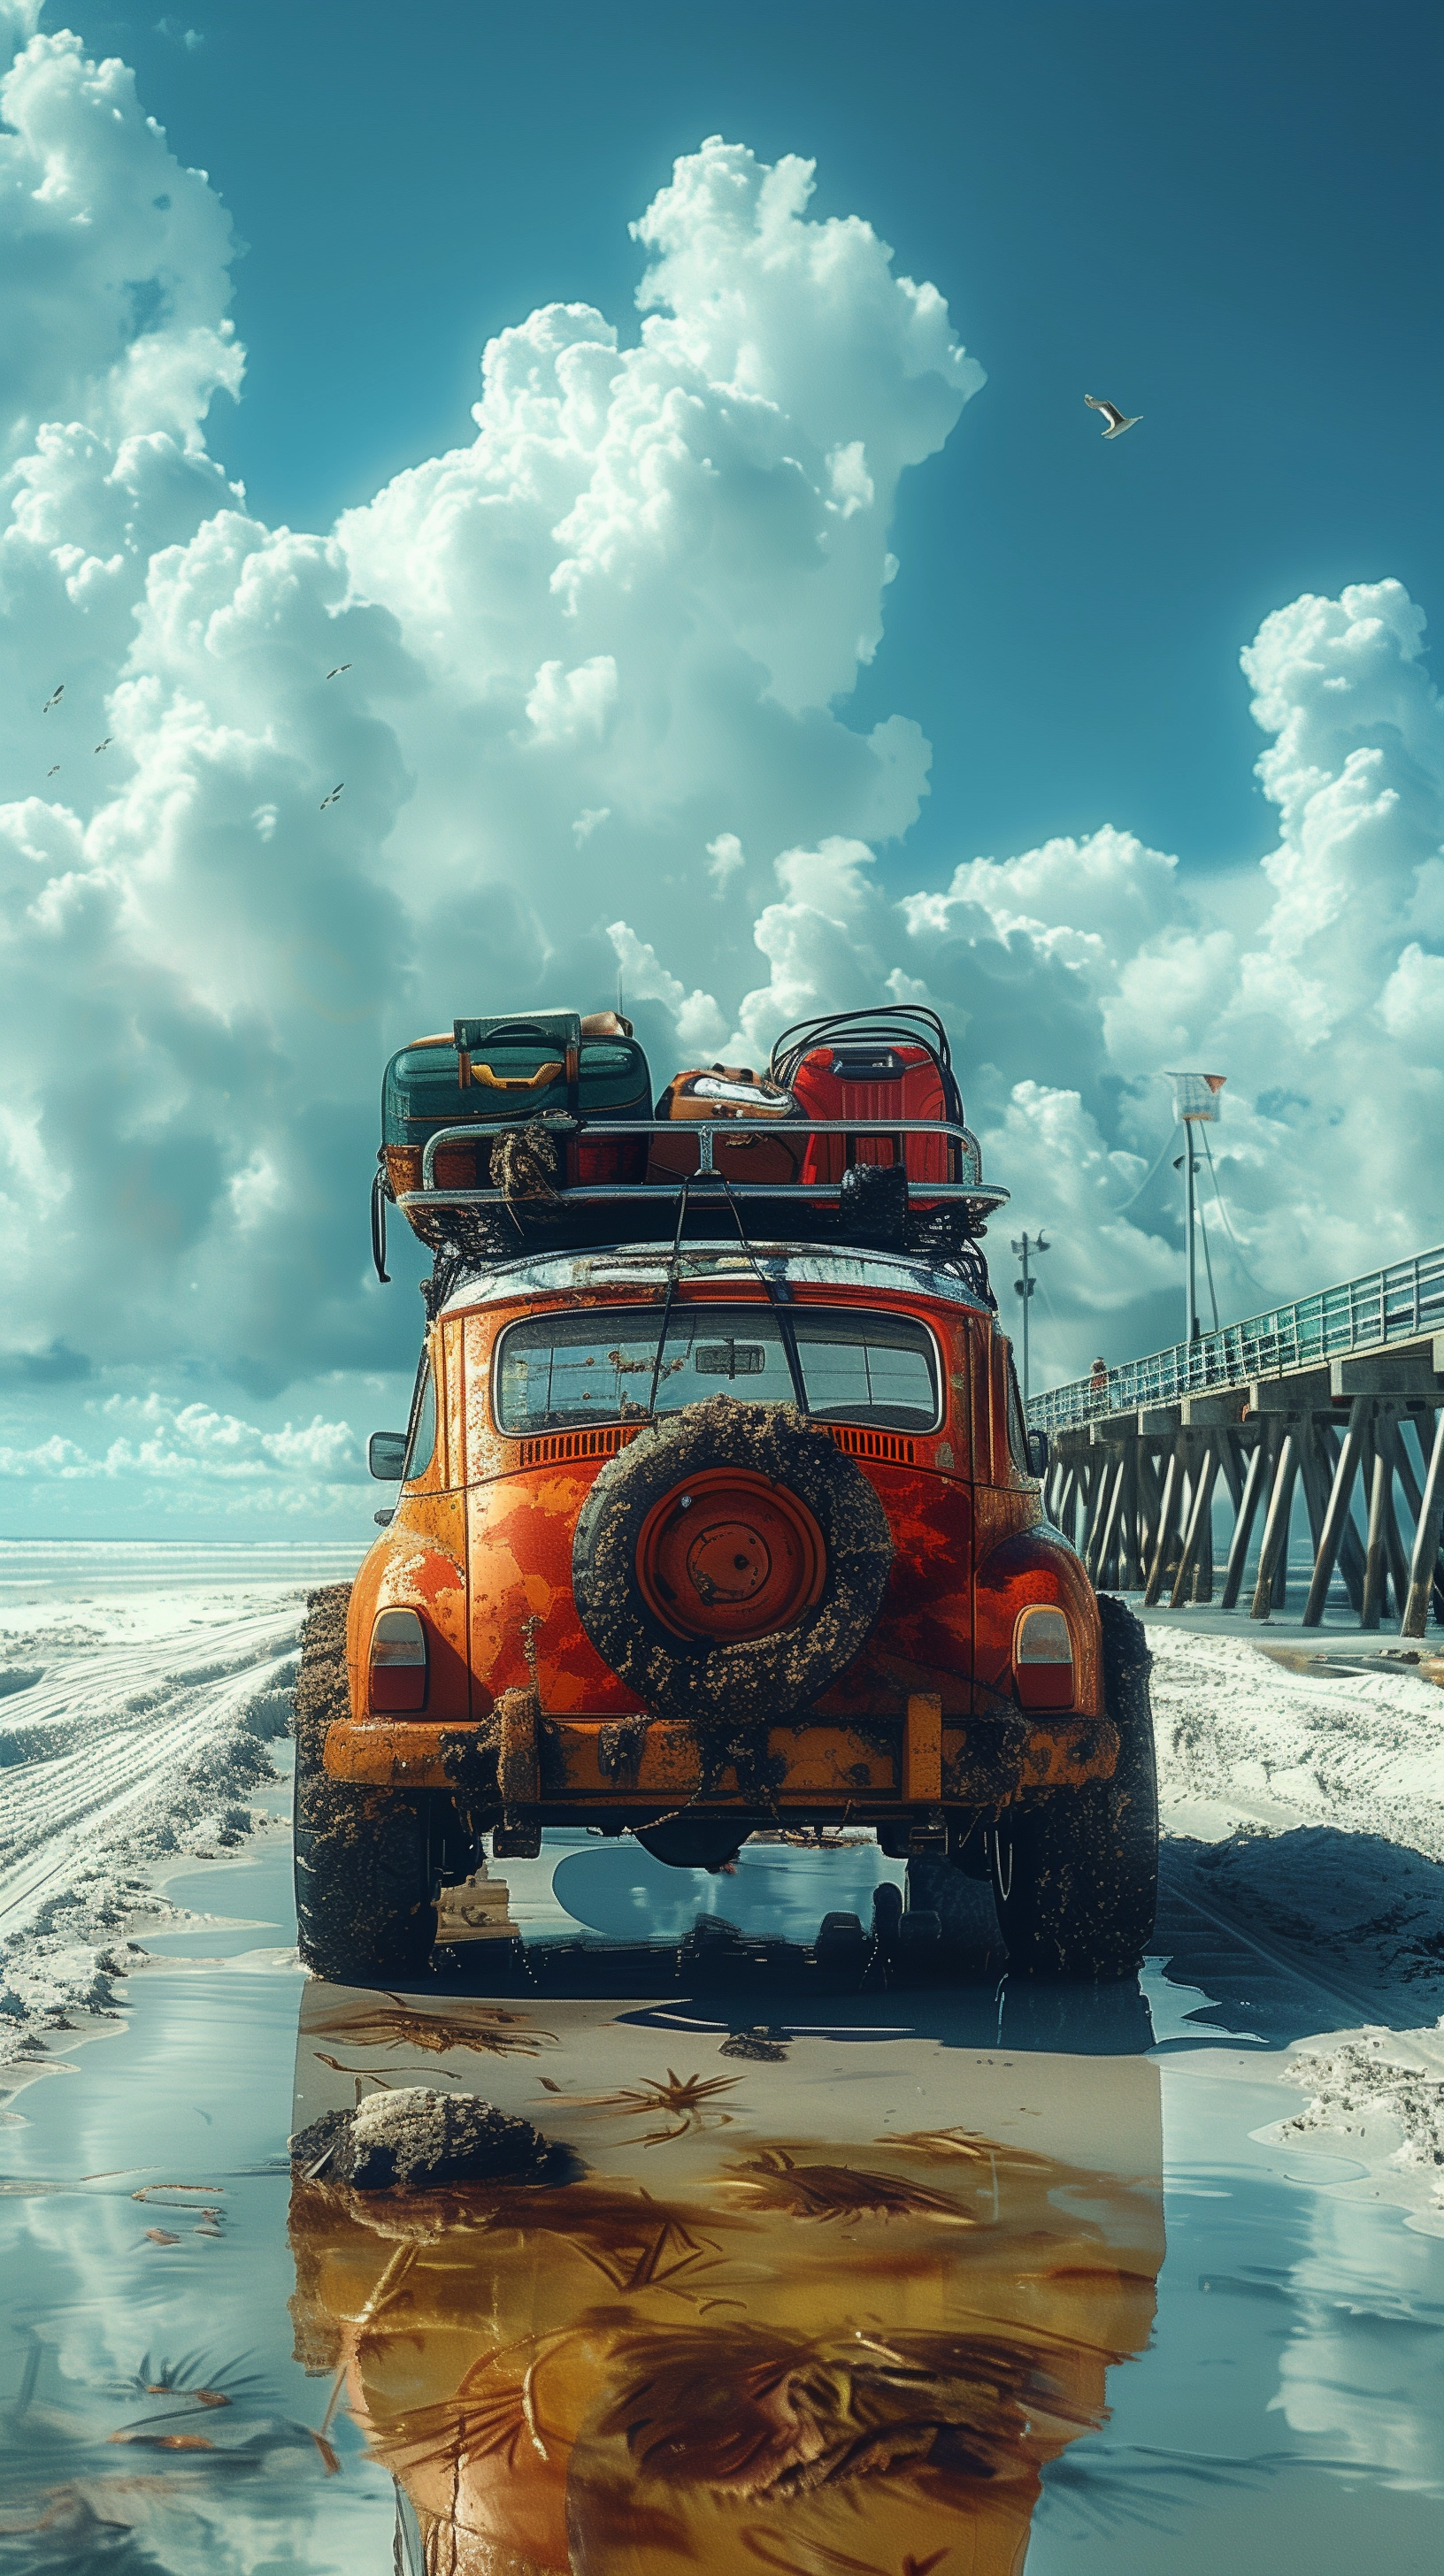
column 745, row 1681
column 1075, row 1878
column 364, row 1912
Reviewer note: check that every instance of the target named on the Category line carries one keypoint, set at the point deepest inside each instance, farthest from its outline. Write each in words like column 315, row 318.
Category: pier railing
column 1395, row 1304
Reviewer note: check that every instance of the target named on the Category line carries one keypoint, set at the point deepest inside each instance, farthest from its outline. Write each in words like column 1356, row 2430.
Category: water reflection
column 619, row 1890
column 829, row 2291
column 922, row 2213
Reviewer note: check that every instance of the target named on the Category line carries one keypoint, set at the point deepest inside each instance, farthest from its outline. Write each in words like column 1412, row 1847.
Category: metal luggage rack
column 485, row 1223
column 704, row 1131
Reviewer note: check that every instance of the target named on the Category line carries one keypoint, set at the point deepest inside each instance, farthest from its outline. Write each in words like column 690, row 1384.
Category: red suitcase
column 870, row 1066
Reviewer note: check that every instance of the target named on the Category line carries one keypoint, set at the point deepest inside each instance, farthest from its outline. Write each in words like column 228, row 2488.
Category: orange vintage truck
column 718, row 1512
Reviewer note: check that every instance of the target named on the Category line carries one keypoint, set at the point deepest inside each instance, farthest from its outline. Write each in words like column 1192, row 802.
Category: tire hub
column 729, row 1554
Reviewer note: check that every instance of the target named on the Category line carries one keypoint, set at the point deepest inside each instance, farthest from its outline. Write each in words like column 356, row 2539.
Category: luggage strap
column 785, row 1332
column 380, row 1192
column 673, row 1266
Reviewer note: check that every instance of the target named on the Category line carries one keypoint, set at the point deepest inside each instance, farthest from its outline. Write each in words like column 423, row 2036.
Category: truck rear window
column 597, row 1366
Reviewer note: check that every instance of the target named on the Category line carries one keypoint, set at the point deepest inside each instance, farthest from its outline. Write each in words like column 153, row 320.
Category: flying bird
column 55, row 772
column 105, row 746
column 340, row 667
column 54, row 699
column 1114, row 417
column 331, row 799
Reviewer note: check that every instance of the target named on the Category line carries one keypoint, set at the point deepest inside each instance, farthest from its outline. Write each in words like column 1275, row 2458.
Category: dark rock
column 415, row 2139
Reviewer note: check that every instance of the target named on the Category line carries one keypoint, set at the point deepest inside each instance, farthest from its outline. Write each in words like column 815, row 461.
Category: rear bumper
column 590, row 1768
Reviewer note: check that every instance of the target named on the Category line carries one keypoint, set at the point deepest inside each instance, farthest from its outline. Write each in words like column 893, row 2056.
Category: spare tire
column 730, row 1562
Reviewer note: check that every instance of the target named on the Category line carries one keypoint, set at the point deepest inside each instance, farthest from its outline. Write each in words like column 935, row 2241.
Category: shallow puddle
column 844, row 2265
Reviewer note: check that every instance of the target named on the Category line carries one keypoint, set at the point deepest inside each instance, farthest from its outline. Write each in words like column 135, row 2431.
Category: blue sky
column 1224, row 216
column 795, row 641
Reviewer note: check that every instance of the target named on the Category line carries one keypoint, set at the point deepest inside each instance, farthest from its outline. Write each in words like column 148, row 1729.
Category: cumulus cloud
column 174, row 1455
column 596, row 715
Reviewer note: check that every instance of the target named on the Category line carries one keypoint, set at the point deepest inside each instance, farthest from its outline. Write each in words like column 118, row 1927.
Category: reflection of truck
column 774, row 2321
column 717, row 1513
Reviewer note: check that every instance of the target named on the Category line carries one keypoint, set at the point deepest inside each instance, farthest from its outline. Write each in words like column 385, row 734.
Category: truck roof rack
column 937, row 1219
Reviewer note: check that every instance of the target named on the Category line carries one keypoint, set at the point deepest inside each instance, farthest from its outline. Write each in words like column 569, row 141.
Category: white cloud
column 639, row 599
column 727, row 858
column 699, row 1025
column 114, row 287
column 573, row 706
column 1412, row 1002
column 148, row 1440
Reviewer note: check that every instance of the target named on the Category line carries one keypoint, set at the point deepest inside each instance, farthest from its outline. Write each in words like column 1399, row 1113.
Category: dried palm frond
column 219, row 2387
column 824, row 2192
column 492, row 2416
column 398, row 2024
column 965, row 2146
column 689, row 2099
column 755, row 2410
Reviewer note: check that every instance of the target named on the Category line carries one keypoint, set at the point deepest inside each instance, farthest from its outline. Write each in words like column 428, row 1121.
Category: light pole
column 1026, row 1251
column 1196, row 1103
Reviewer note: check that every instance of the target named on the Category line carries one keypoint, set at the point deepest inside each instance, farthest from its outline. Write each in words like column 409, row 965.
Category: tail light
column 1043, row 1658
column 398, row 1662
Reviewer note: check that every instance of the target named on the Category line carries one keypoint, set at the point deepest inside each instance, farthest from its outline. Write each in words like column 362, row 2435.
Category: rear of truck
column 691, row 1556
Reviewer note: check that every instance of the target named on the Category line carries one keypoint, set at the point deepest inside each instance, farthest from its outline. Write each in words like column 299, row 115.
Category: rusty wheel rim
column 729, row 1555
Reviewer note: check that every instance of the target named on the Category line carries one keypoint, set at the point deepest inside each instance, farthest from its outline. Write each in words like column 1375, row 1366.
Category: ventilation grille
column 605, row 1442
column 573, row 1444
column 875, row 1444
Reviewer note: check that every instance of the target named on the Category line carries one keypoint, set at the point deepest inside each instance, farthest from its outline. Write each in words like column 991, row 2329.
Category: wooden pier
column 1359, row 1436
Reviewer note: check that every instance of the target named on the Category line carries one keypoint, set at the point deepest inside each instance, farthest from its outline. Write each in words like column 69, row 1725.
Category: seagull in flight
column 55, row 772
column 331, row 799
column 54, row 699
column 1114, row 417
column 340, row 667
column 105, row 746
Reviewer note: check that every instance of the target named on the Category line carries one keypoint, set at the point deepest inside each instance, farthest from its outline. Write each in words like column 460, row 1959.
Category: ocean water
column 78, row 1569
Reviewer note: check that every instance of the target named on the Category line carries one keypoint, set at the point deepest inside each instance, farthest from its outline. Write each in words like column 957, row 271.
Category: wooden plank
column 1315, row 1476
column 1202, row 1586
column 1336, row 1514
column 1100, row 1553
column 1404, row 1464
column 1351, row 1546
column 1202, row 1503
column 1164, row 1531
column 1097, row 1473
column 1149, row 1501
column 1274, row 1551
column 1388, row 1437
column 1254, row 1477
column 1378, row 1473
column 1424, row 1562
column 1130, row 1570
